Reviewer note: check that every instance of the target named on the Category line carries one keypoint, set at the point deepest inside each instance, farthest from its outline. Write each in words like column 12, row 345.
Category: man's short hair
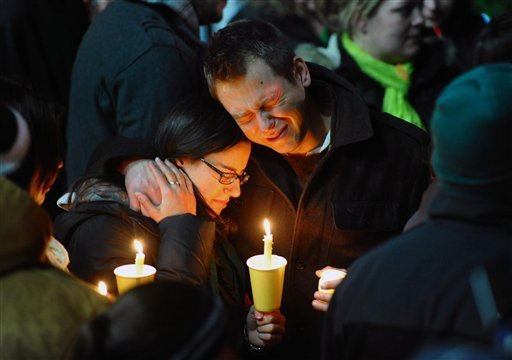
column 230, row 50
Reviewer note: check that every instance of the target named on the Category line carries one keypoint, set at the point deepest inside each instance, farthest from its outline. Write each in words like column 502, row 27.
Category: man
column 135, row 61
column 333, row 177
column 426, row 285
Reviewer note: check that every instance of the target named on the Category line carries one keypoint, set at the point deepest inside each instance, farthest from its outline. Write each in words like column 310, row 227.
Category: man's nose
column 265, row 121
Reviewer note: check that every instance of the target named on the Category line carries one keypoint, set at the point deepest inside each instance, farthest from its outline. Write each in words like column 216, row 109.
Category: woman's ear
column 179, row 162
column 301, row 72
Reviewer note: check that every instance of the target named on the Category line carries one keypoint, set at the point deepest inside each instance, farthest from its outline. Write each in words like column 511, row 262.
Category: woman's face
column 38, row 189
column 393, row 33
column 206, row 180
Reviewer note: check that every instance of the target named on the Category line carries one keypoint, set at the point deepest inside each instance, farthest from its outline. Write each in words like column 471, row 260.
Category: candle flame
column 138, row 246
column 102, row 288
column 266, row 224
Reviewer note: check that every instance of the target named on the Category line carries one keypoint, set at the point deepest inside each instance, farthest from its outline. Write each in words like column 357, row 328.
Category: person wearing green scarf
column 395, row 79
column 382, row 37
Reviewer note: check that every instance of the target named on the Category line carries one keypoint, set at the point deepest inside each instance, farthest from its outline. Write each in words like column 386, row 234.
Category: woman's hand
column 176, row 191
column 265, row 329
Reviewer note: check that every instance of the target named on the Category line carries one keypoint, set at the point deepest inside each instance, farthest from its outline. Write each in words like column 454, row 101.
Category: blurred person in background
column 419, row 288
column 162, row 320
column 383, row 56
column 456, row 24
column 136, row 60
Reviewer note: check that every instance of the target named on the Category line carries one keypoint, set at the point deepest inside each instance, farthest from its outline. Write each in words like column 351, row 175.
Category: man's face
column 268, row 108
column 209, row 11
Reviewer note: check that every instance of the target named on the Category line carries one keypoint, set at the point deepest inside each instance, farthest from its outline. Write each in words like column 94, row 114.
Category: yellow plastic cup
column 267, row 282
column 127, row 277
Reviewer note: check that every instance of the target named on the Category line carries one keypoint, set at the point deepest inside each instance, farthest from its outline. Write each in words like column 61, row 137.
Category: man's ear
column 358, row 23
column 301, row 72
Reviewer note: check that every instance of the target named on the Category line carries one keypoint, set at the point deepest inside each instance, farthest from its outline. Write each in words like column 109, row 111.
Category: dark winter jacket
column 361, row 193
column 135, row 61
column 99, row 237
column 38, row 43
column 415, row 289
column 42, row 308
column 431, row 74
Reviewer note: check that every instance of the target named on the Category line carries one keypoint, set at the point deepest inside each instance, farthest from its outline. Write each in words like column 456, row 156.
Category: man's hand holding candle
column 265, row 329
column 330, row 278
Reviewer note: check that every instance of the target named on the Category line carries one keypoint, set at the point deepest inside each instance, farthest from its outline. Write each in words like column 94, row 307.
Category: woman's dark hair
column 195, row 127
column 44, row 154
column 495, row 41
column 162, row 320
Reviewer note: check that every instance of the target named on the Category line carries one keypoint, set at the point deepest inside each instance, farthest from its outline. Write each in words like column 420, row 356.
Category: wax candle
column 267, row 240
column 139, row 258
column 102, row 288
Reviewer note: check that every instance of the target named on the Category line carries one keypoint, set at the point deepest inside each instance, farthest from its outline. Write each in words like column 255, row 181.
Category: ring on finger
column 174, row 183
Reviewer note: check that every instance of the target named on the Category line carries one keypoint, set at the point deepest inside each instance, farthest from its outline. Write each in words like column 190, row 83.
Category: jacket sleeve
column 186, row 248
column 108, row 155
column 149, row 88
column 104, row 242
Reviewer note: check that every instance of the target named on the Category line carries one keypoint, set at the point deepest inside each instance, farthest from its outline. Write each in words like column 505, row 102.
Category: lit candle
column 102, row 288
column 328, row 275
column 139, row 258
column 267, row 240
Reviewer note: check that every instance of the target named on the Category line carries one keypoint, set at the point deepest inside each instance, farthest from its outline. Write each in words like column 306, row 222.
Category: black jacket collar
column 350, row 122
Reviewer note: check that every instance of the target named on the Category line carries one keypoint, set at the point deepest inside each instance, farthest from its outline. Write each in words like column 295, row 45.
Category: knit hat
column 472, row 132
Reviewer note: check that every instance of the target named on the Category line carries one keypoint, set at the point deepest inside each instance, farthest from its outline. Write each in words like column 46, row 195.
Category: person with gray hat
column 418, row 287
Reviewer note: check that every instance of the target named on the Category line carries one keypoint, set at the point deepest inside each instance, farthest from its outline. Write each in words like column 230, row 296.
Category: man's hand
column 323, row 298
column 139, row 178
column 177, row 192
column 265, row 329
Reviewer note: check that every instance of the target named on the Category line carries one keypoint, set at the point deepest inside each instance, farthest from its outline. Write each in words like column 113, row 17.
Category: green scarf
column 394, row 78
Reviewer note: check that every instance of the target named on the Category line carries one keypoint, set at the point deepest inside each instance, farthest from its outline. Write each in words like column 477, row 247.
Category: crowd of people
column 373, row 134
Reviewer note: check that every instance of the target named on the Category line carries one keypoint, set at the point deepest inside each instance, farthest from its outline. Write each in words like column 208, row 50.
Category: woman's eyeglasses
column 227, row 178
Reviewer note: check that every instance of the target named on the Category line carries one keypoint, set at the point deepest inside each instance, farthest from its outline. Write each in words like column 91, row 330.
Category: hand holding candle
column 267, row 276
column 267, row 239
column 139, row 258
column 330, row 278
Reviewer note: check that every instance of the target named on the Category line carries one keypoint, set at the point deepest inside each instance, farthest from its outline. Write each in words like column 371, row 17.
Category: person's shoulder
column 399, row 128
column 146, row 24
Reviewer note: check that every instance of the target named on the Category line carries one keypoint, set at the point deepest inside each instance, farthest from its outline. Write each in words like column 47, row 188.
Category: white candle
column 267, row 240
column 328, row 275
column 102, row 288
column 139, row 258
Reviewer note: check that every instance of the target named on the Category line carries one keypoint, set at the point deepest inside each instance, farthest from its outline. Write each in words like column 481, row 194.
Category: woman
column 184, row 237
column 380, row 49
column 381, row 54
column 40, row 164
column 45, row 305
